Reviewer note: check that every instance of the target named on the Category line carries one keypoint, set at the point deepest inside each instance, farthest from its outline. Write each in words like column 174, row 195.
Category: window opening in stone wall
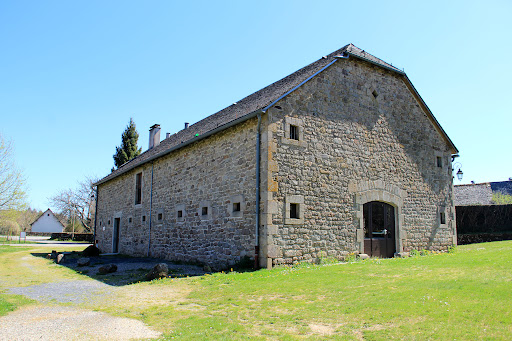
column 108, row 223
column 160, row 216
column 236, row 207
column 375, row 94
column 442, row 217
column 439, row 162
column 180, row 214
column 129, row 220
column 138, row 188
column 143, row 218
column 294, row 132
column 294, row 211
column 204, row 211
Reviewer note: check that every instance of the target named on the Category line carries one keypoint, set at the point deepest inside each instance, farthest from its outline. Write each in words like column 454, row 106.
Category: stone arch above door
column 367, row 191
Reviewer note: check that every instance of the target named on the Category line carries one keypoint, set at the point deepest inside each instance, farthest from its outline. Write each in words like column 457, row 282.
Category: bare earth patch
column 322, row 329
column 69, row 323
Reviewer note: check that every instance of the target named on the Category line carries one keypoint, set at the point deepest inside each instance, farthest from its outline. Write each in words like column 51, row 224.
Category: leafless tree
column 79, row 203
column 12, row 182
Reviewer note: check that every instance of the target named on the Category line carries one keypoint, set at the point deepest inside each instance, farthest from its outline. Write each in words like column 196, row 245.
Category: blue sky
column 73, row 73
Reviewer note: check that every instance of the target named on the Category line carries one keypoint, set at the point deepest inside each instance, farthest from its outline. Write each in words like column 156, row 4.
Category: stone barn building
column 342, row 156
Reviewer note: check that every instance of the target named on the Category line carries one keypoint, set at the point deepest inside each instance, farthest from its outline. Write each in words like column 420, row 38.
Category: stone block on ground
column 106, row 269
column 159, row 271
column 91, row 251
column 83, row 261
column 60, row 258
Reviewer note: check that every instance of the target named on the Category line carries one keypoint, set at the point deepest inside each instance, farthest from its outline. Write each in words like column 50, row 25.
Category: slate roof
column 255, row 102
column 480, row 193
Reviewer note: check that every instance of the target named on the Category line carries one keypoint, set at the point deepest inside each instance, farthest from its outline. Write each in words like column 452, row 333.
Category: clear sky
column 72, row 73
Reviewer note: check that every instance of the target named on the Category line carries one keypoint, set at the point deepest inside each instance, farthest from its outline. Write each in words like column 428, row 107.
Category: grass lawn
column 465, row 295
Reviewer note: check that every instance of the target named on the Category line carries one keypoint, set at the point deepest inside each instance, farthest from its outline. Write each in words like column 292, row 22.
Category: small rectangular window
column 180, row 214
column 294, row 132
column 138, row 188
column 204, row 211
column 294, row 211
column 143, row 218
column 236, row 207
column 130, row 220
column 442, row 218
column 439, row 162
column 160, row 216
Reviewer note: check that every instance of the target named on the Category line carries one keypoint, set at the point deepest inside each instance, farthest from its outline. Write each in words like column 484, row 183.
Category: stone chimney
column 154, row 136
column 186, row 125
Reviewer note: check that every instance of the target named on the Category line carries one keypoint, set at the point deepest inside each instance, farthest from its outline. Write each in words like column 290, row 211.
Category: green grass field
column 464, row 295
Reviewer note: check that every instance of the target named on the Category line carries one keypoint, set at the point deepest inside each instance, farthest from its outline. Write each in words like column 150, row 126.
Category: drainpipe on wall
column 258, row 152
column 150, row 208
column 95, row 219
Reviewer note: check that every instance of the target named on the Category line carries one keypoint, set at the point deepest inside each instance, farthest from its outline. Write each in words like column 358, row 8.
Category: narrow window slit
column 294, row 211
column 294, row 132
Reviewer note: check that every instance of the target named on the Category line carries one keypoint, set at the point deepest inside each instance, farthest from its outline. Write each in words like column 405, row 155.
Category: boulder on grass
column 159, row 271
column 106, row 269
column 91, row 251
column 83, row 261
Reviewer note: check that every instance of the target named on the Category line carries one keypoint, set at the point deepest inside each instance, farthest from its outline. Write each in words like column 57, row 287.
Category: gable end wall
column 355, row 148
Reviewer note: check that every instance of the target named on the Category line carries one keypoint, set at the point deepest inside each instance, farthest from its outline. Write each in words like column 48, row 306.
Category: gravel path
column 69, row 323
column 65, row 292
column 50, row 321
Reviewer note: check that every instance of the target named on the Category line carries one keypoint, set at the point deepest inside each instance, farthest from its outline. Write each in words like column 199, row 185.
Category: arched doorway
column 379, row 229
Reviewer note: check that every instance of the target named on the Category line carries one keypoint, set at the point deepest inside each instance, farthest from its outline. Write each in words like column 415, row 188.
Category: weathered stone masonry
column 210, row 173
column 356, row 148
column 335, row 135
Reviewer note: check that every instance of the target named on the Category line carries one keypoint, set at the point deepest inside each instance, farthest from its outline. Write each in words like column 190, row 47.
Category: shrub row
column 463, row 239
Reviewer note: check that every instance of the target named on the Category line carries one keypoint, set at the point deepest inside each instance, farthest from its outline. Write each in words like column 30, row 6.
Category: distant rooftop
column 480, row 193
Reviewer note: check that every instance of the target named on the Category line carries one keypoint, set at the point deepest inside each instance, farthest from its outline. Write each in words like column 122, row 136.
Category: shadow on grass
column 130, row 269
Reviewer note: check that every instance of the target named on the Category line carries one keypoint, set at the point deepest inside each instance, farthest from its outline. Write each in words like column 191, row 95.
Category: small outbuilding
column 47, row 222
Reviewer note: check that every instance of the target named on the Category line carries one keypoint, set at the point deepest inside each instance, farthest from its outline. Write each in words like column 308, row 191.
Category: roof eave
column 418, row 97
column 430, row 115
column 183, row 144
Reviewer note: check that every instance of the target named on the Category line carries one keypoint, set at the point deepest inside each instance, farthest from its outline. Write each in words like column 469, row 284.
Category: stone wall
column 213, row 173
column 363, row 136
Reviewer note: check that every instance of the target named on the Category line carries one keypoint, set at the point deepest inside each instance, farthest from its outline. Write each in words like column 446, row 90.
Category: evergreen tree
column 129, row 148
